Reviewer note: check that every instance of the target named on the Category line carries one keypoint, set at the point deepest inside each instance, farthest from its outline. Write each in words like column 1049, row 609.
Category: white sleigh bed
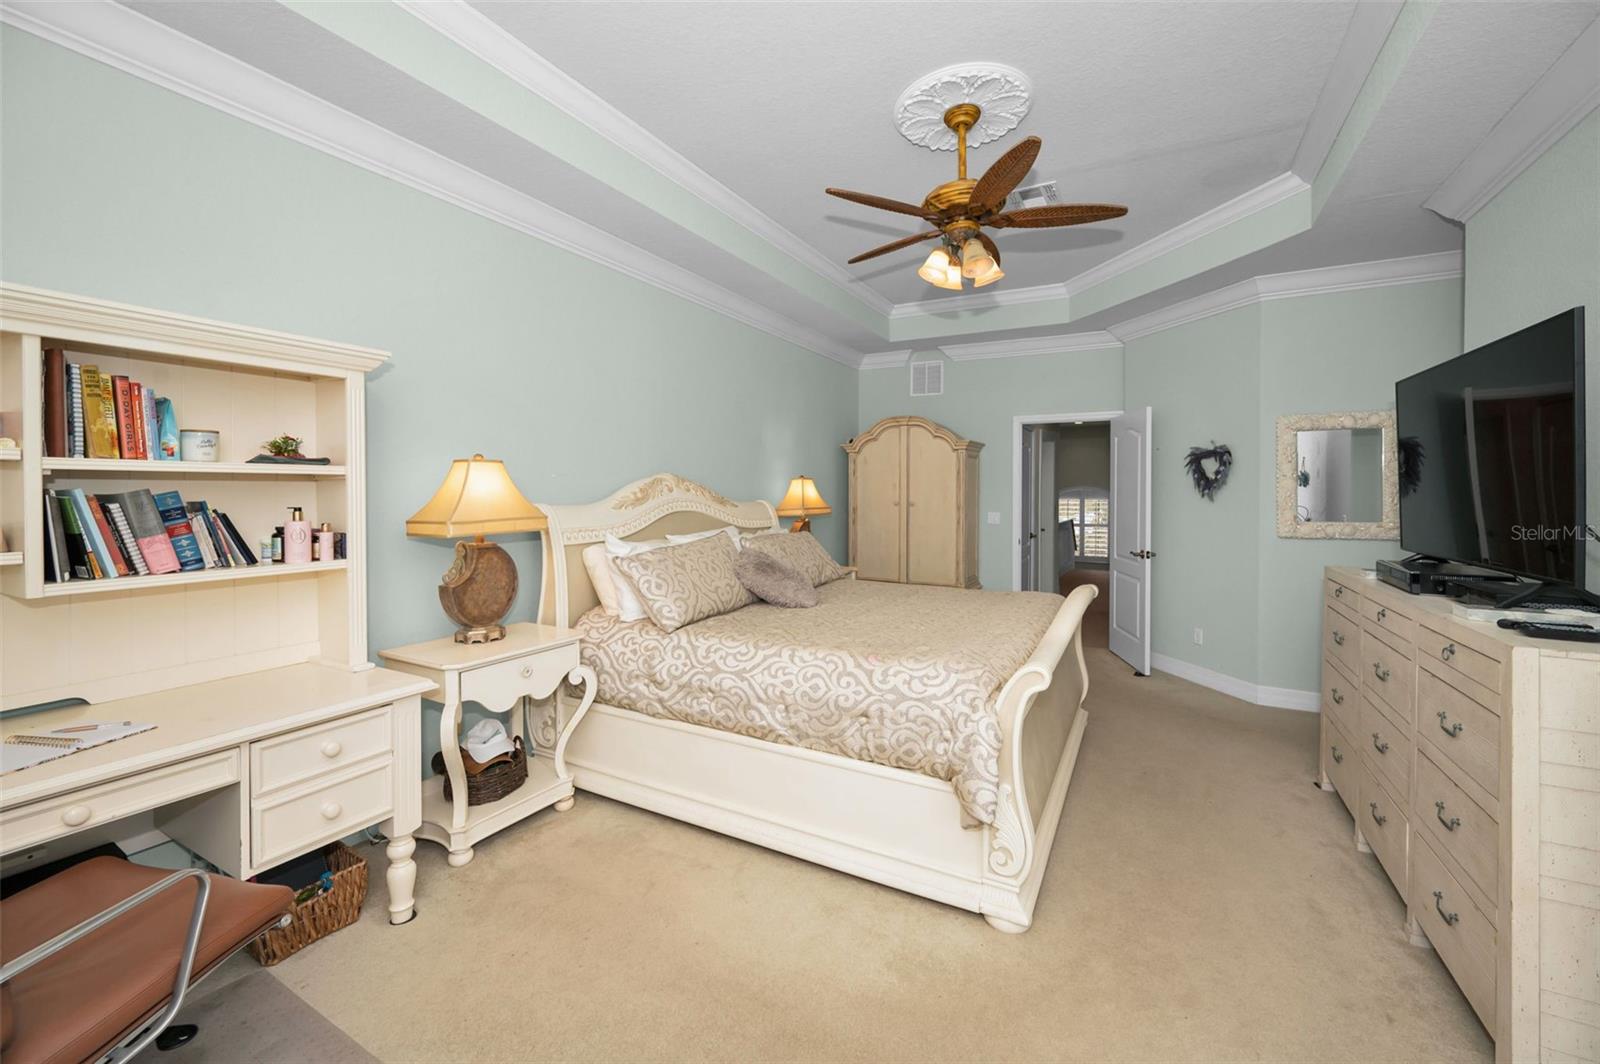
column 889, row 825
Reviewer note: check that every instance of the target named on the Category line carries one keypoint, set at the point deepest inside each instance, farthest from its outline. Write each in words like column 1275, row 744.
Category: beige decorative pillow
column 799, row 550
column 686, row 583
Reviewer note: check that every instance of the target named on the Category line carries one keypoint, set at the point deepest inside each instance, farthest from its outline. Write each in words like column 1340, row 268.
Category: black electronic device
column 1576, row 633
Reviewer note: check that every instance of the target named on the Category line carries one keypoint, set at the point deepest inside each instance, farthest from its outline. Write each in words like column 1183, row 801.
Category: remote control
column 1577, row 633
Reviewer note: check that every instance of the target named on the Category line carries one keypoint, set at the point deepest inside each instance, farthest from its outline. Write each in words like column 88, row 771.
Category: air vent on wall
column 927, row 378
column 1040, row 195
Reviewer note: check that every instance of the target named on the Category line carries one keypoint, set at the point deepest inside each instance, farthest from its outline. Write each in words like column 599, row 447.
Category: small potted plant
column 285, row 446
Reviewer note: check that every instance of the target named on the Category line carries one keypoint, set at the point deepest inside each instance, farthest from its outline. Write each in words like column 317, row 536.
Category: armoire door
column 879, row 515
column 932, row 509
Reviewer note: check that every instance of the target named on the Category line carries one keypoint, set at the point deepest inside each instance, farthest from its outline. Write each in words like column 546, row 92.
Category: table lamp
column 477, row 499
column 803, row 502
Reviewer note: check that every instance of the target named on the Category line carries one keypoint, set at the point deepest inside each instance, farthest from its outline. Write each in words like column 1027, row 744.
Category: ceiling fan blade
column 1056, row 215
column 1004, row 175
column 896, row 245
column 989, row 246
column 866, row 199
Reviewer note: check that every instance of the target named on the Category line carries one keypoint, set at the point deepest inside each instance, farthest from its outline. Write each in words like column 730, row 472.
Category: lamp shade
column 477, row 498
column 803, row 500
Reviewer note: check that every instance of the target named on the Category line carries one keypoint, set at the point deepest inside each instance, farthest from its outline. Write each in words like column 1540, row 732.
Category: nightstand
column 532, row 661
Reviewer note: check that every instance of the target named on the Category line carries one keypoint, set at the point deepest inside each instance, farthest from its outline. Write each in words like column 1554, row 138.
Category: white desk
column 247, row 771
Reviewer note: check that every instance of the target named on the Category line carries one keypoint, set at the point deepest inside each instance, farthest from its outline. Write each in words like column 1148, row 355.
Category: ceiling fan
column 963, row 208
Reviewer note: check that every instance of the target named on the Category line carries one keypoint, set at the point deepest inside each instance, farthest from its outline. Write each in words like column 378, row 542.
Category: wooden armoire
column 914, row 504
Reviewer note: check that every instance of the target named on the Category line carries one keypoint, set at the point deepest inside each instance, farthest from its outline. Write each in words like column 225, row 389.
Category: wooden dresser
column 914, row 504
column 1469, row 757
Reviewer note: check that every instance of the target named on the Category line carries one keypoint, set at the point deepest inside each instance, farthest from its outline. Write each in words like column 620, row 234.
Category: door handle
column 1141, row 554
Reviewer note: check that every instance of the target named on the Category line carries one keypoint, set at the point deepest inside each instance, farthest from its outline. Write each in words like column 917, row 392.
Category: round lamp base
column 478, row 590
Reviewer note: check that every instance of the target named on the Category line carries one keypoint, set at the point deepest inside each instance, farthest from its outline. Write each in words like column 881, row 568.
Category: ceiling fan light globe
column 952, row 278
column 988, row 276
column 933, row 270
column 975, row 260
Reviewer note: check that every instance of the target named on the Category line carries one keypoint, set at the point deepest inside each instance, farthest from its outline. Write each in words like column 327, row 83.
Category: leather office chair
column 95, row 960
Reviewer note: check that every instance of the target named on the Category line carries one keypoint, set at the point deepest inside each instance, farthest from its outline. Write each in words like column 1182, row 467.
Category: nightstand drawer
column 299, row 820
column 497, row 687
column 288, row 759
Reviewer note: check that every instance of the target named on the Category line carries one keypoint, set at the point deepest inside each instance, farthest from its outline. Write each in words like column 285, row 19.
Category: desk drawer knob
column 1338, row 699
column 1380, row 672
column 1338, row 639
column 331, row 810
column 1383, row 614
column 1448, row 652
column 76, row 816
column 1338, row 758
column 1379, row 745
column 332, row 748
column 1338, row 592
column 527, row 671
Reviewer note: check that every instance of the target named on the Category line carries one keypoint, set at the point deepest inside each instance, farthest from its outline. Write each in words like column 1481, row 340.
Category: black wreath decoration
column 1208, row 484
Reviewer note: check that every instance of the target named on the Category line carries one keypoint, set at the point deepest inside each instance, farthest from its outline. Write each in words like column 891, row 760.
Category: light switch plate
column 994, row 517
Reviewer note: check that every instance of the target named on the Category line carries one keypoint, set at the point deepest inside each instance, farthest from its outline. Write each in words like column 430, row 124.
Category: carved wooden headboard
column 646, row 509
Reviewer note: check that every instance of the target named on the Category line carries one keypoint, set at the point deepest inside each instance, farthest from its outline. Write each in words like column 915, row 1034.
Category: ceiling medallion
column 1004, row 93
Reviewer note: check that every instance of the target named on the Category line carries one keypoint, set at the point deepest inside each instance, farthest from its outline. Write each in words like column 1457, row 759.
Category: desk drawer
column 1465, row 731
column 30, row 825
column 1462, row 660
column 285, row 760
column 1339, row 698
column 1388, row 675
column 328, row 809
column 1383, row 824
column 1460, row 826
column 1341, row 640
column 1458, row 929
column 1341, row 763
column 1386, row 746
column 497, row 687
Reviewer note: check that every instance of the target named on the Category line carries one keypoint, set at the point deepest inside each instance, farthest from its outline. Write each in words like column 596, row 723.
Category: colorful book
column 152, row 444
column 219, row 542
column 100, row 414
column 167, row 427
column 176, row 519
column 55, row 402
column 202, row 535
column 75, row 409
column 239, row 543
column 119, row 561
column 58, row 564
column 136, row 418
column 130, row 545
column 122, row 396
column 99, row 550
column 149, row 530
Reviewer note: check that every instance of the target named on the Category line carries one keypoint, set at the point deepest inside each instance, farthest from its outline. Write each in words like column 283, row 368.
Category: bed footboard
column 1041, row 726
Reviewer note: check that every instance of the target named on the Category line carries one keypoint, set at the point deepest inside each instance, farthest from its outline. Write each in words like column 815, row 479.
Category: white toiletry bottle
column 296, row 538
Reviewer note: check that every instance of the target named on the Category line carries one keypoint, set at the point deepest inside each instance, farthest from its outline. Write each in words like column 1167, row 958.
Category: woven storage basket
column 321, row 916
column 494, row 782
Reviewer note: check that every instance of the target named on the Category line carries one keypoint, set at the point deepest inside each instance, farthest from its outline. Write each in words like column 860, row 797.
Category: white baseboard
column 1258, row 694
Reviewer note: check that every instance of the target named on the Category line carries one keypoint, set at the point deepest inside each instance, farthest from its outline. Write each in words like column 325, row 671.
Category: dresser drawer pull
column 1338, row 639
column 332, row 748
column 1382, row 613
column 1338, row 699
column 1379, row 745
column 1377, row 817
column 76, row 816
column 1449, row 825
column 1448, row 651
column 1438, row 903
column 1452, row 730
column 1380, row 672
column 527, row 671
column 331, row 810
column 1338, row 592
column 1338, row 758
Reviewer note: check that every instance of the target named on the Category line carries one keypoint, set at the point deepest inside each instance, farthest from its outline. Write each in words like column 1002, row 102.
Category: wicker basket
column 494, row 782
column 322, row 915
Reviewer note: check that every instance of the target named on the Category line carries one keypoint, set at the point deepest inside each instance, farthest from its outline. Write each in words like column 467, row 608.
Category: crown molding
column 1561, row 99
column 1381, row 273
column 940, row 306
column 1031, row 345
column 1364, row 37
column 483, row 38
column 135, row 44
column 886, row 359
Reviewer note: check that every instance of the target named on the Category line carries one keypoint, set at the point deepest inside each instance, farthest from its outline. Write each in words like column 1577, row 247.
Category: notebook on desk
column 26, row 749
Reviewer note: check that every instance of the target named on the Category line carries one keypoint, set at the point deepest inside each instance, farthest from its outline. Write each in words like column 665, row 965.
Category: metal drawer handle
column 1382, row 613
column 1381, row 747
column 1438, row 903
column 1338, row 699
column 1338, row 639
column 1452, row 730
column 1338, row 592
column 527, row 671
column 332, row 748
column 1377, row 817
column 76, row 815
column 1338, row 758
column 331, row 810
column 1448, row 652
column 1380, row 672
column 1449, row 825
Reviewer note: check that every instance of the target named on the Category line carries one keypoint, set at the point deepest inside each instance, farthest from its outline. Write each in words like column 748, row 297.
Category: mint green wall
column 580, row 378
column 1534, row 251
column 981, row 398
column 1200, row 381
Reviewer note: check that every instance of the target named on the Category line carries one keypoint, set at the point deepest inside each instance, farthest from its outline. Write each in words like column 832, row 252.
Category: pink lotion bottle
column 296, row 538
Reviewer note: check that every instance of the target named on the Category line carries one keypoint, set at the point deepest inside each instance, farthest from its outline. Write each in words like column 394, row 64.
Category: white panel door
column 1045, row 577
column 1130, row 538
column 1025, row 508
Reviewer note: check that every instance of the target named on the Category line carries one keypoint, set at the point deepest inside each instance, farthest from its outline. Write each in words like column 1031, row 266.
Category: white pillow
column 629, row 608
column 690, row 537
column 598, row 563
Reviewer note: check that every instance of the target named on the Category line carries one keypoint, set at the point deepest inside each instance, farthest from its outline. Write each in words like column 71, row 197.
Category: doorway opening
column 1067, row 542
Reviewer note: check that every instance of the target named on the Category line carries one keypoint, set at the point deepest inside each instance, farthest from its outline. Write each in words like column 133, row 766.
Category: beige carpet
column 1204, row 903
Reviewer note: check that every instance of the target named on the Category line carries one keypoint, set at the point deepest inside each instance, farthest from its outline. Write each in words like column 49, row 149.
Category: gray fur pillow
column 772, row 581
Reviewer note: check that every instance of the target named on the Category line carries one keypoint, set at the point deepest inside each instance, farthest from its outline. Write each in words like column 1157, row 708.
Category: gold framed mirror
column 1338, row 476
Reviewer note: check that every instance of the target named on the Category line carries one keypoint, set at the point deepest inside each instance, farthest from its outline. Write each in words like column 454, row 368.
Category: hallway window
column 1089, row 509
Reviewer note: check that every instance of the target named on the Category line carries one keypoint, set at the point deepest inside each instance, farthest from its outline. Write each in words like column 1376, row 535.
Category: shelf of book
column 199, row 576
column 146, row 468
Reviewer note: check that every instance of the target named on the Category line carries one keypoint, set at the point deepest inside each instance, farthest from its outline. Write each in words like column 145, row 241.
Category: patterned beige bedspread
column 896, row 674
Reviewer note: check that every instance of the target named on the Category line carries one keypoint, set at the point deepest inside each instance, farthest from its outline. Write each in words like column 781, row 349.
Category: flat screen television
column 1491, row 458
